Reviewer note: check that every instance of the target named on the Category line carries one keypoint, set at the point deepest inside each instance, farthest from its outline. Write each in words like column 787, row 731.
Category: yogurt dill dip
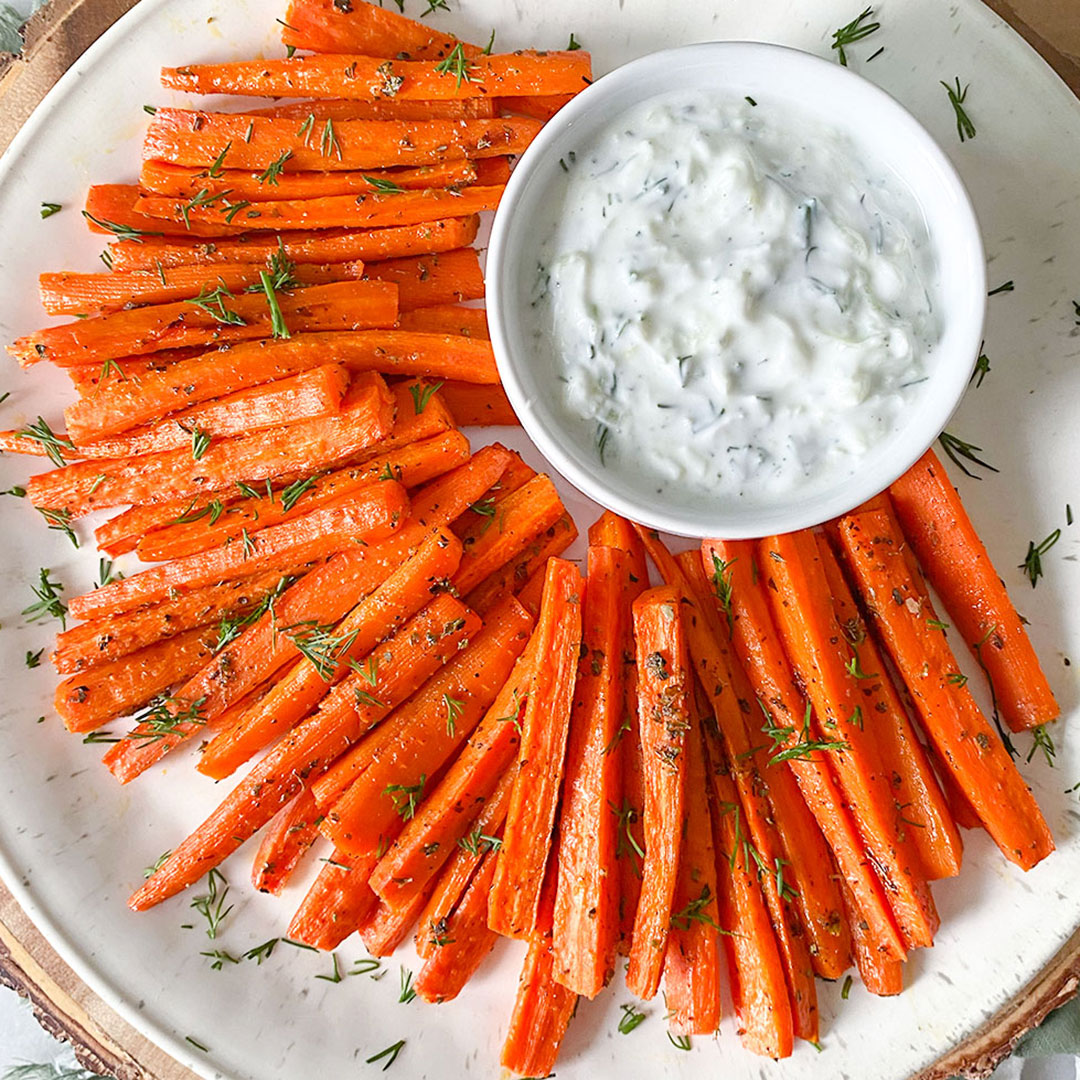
column 739, row 303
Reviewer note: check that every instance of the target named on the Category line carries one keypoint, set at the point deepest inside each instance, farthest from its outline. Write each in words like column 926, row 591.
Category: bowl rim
column 907, row 443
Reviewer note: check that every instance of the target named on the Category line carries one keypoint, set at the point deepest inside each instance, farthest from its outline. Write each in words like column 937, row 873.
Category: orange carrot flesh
column 586, row 923
column 755, row 971
column 365, row 77
column 880, row 975
column 325, row 27
column 812, row 637
column 446, row 816
column 110, row 209
column 403, row 667
column 377, row 210
column 331, row 246
column 337, row 109
column 736, row 579
column 545, row 720
column 386, row 929
column 692, row 959
column 414, row 464
column 431, row 280
column 446, row 319
column 539, row 107
column 663, row 688
column 288, row 837
column 916, row 793
column 479, row 406
column 965, row 741
column 342, row 305
column 956, row 562
column 338, row 903
column 401, row 595
column 200, row 138
column 479, row 518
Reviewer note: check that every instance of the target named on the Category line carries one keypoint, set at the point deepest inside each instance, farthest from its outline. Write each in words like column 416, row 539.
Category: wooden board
column 104, row 1043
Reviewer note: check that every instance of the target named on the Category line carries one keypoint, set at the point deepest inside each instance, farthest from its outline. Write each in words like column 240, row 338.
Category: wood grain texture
column 103, row 1042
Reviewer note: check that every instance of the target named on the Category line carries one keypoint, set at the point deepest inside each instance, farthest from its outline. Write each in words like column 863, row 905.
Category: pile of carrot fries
column 755, row 768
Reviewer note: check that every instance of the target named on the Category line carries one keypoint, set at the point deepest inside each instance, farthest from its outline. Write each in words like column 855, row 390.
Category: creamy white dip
column 738, row 301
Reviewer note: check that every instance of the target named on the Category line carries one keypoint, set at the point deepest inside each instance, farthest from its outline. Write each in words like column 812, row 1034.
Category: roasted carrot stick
column 479, row 405
column 880, row 975
column 812, row 637
column 110, row 209
column 385, row 929
column 331, row 246
column 338, row 903
column 446, row 816
column 91, row 698
column 467, row 941
column 403, row 593
column 955, row 560
column 663, row 688
column 183, row 137
column 755, row 971
column 383, row 109
column 350, row 76
column 300, row 757
column 541, row 108
column 741, row 592
column 377, row 210
column 432, row 280
column 483, row 515
column 965, row 741
column 416, row 743
column 71, row 293
column 326, row 27
column 917, row 797
column 692, row 960
column 342, row 305
column 446, row 319
column 413, row 464
column 545, row 719
column 291, row 832
column 586, row 926
column 178, row 182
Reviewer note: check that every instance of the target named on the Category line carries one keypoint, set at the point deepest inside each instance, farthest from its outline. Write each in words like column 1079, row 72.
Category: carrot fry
column 338, row 903
column 386, row 929
column 479, row 405
column 586, row 921
column 541, row 108
column 311, row 395
column 384, row 109
column 302, row 754
column 880, row 975
column 288, row 838
column 184, row 137
column 416, row 743
column 446, row 319
column 663, row 666
column 325, row 27
column 811, row 635
column 378, row 210
column 400, row 596
column 206, row 464
column 331, row 246
column 916, row 794
column 362, row 78
column 342, row 305
column 755, row 970
column 954, row 559
column 480, row 517
column 976, row 757
column 432, row 280
column 692, row 960
column 178, row 182
column 110, row 210
column 91, row 698
column 545, row 719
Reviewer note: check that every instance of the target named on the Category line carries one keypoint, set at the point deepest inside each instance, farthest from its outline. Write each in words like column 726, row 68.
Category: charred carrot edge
column 446, row 319
column 692, row 959
column 450, row 277
column 191, row 138
column 332, row 246
column 300, row 757
column 755, row 971
column 916, row 793
column 288, row 837
column 663, row 689
column 415, row 743
column 956, row 562
column 586, row 926
column 737, row 582
column 965, row 741
column 398, row 598
column 480, row 406
column 803, row 610
column 530, row 818
column 337, row 903
column 362, row 78
column 325, row 27
column 880, row 975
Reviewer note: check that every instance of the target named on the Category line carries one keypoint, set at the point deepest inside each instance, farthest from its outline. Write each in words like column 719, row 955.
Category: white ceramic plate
column 73, row 844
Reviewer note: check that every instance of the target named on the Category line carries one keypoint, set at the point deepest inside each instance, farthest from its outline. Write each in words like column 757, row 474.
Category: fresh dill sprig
column 982, row 367
column 54, row 445
column 380, row 183
column 212, row 301
column 1043, row 741
column 212, row 906
column 277, row 320
column 50, row 208
column 59, row 521
column 957, row 96
column 406, row 796
column 456, row 63
column 421, row 395
column 960, row 451
column 270, row 174
column 320, row 646
column 854, row 31
column 1032, row 564
column 631, row 1019
column 391, row 1052
column 48, row 602
column 164, row 716
column 124, row 232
